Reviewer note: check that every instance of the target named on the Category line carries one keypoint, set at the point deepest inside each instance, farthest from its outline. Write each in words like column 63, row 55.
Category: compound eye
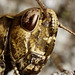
column 30, row 19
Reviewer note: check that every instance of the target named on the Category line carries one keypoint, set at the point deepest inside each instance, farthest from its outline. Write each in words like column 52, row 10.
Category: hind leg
column 57, row 61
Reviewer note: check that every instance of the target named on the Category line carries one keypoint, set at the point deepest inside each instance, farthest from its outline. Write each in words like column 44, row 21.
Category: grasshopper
column 27, row 40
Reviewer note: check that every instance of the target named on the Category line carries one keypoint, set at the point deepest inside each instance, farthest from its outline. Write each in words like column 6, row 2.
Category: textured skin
column 5, row 22
column 28, row 50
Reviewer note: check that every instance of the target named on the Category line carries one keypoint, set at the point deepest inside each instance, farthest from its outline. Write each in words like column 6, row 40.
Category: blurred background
column 65, row 43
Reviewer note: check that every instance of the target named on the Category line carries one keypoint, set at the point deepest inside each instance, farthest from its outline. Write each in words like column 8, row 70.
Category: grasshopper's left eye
column 29, row 19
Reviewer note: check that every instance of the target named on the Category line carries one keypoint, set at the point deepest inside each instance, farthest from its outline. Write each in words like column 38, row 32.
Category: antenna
column 61, row 26
column 46, row 15
column 41, row 4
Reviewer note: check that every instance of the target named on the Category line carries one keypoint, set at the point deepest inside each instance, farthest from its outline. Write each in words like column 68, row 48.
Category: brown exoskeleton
column 27, row 40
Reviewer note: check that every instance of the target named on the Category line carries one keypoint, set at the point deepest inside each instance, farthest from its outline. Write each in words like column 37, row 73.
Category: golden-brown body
column 27, row 40
column 5, row 23
column 30, row 50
